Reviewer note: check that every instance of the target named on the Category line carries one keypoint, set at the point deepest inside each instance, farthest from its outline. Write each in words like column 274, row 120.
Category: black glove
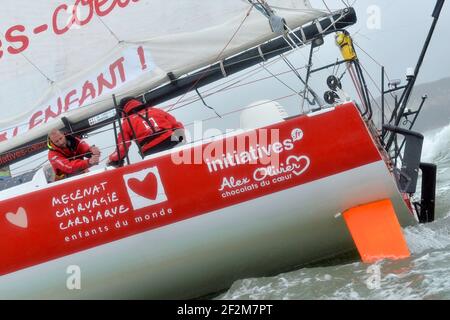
column 116, row 164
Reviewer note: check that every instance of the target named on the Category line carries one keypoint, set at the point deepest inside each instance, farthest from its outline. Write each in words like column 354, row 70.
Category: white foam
column 437, row 145
column 434, row 235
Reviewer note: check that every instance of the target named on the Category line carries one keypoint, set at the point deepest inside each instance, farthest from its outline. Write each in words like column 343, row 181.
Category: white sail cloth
column 67, row 57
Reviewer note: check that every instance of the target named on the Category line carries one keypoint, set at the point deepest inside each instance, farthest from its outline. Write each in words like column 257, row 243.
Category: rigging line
column 45, row 139
column 205, row 104
column 31, row 62
column 236, row 79
column 107, row 147
column 308, row 88
column 247, row 106
column 260, row 7
column 259, row 68
column 291, row 43
column 376, row 62
column 342, row 15
column 237, row 76
column 255, row 105
column 323, row 32
column 234, row 86
column 338, row 67
column 218, row 56
column 109, row 29
column 293, row 69
column 376, row 103
column 288, row 36
column 234, row 111
column 351, row 71
column 108, row 123
column 226, row 88
column 108, row 98
column 334, row 67
column 28, row 163
column 189, row 124
column 345, row 71
column 346, row 3
column 79, row 108
column 208, row 119
column 326, row 6
column 376, row 86
column 281, row 81
column 372, row 58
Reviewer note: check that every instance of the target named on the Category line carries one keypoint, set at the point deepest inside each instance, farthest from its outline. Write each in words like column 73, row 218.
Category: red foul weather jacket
column 151, row 126
column 69, row 161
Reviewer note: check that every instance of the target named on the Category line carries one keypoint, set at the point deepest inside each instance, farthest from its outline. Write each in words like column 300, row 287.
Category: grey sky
column 404, row 27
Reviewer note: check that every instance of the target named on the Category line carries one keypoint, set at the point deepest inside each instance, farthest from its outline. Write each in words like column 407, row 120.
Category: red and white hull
column 191, row 228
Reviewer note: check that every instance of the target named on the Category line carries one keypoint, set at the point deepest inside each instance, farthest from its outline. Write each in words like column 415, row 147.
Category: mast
column 403, row 102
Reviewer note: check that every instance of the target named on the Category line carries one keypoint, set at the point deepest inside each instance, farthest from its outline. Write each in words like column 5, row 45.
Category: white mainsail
column 67, row 57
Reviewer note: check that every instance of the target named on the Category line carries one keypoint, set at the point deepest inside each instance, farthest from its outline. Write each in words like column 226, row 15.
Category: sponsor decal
column 17, row 154
column 91, row 211
column 145, row 188
column 67, row 16
column 264, row 176
column 18, row 219
column 133, row 63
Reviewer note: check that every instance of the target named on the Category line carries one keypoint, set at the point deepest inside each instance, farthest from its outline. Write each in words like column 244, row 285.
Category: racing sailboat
column 277, row 193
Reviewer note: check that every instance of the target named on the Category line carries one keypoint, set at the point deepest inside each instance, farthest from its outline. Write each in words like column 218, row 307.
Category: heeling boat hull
column 208, row 240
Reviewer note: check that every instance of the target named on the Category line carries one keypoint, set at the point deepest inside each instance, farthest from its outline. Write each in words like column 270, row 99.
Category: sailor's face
column 59, row 139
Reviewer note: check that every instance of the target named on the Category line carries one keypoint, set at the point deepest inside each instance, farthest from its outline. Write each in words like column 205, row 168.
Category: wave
column 422, row 276
column 437, row 145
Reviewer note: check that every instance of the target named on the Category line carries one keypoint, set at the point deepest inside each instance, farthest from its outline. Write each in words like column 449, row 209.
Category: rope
column 226, row 88
column 30, row 62
column 218, row 56
column 281, row 81
column 108, row 28
column 376, row 86
column 189, row 124
column 326, row 6
column 233, row 85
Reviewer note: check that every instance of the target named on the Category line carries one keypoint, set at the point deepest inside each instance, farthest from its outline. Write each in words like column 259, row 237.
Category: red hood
column 72, row 145
column 131, row 105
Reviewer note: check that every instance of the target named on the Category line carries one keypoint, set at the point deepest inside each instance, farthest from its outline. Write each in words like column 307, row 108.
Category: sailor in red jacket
column 151, row 128
column 66, row 154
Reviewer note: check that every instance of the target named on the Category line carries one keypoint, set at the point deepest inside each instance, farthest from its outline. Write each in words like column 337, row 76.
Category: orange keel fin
column 376, row 231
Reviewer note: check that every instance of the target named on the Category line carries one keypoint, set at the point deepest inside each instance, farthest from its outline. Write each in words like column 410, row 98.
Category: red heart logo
column 19, row 218
column 147, row 188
